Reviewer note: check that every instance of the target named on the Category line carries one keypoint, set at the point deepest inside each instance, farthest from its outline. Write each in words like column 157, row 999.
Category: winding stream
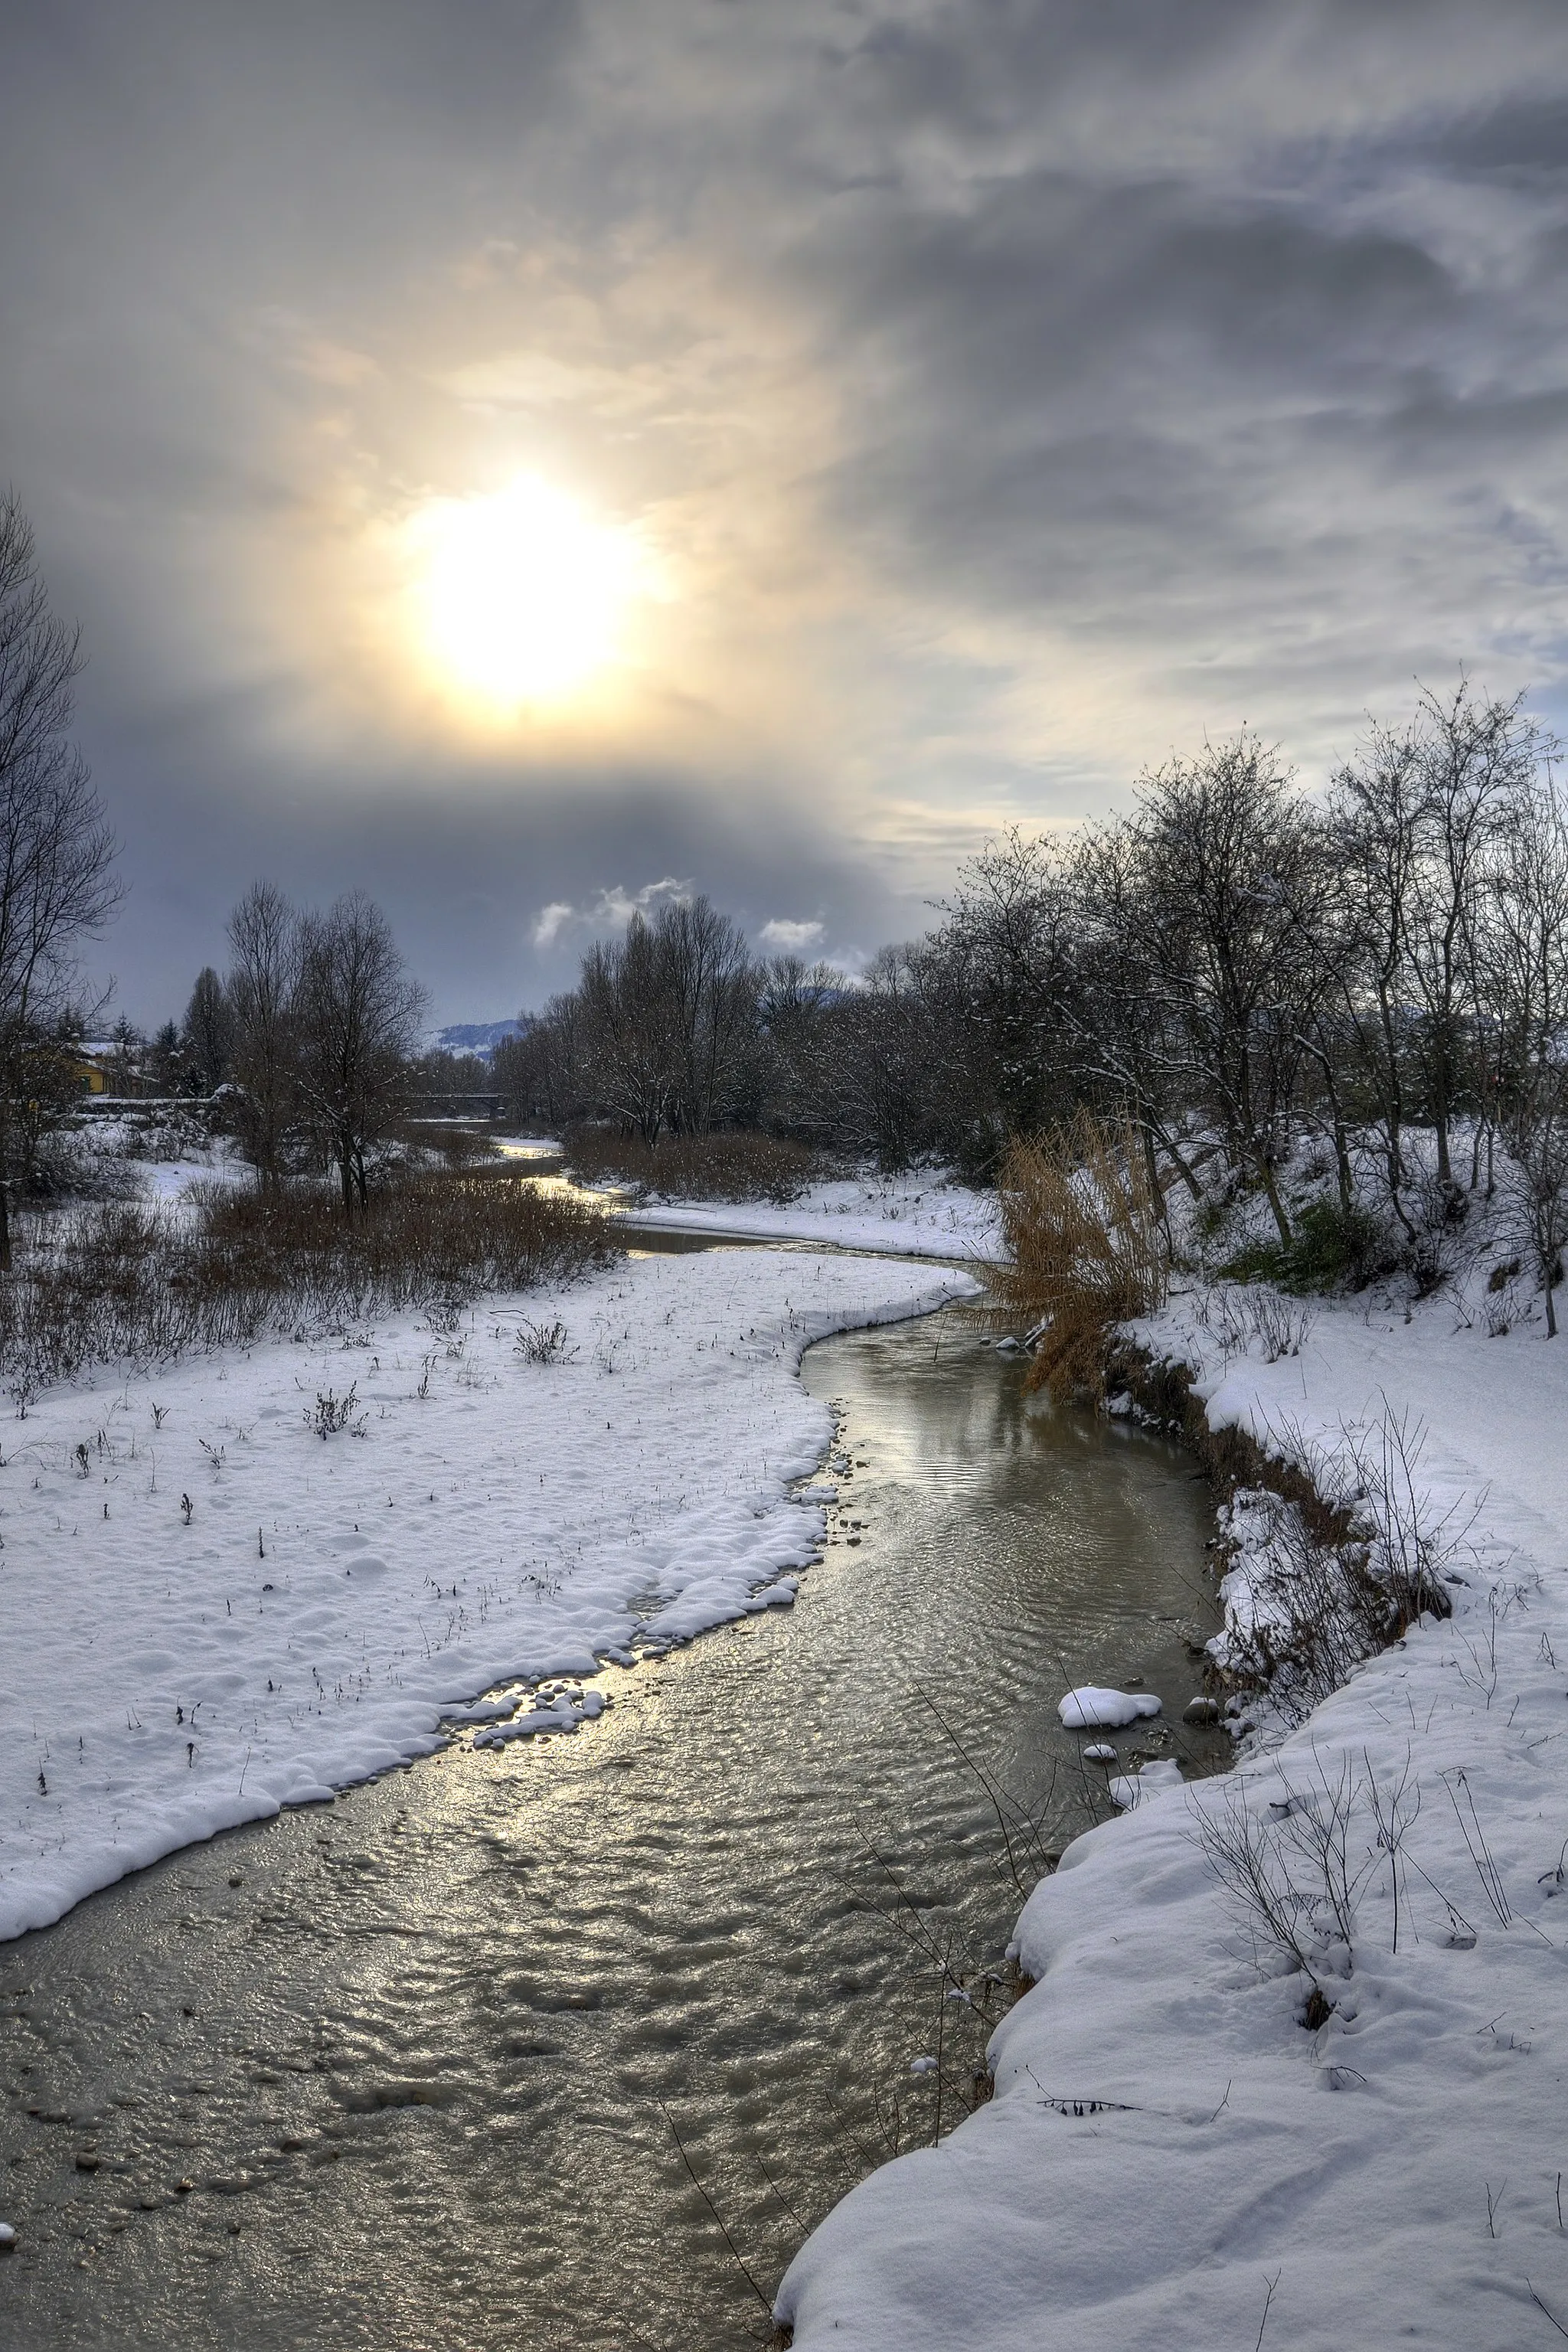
column 434, row 2065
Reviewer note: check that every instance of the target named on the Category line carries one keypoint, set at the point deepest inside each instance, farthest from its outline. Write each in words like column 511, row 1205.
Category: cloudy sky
column 514, row 455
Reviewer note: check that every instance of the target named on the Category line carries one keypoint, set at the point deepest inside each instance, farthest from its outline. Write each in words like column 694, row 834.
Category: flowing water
column 444, row 2064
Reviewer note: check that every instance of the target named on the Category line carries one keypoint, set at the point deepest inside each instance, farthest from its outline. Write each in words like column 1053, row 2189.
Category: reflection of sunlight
column 520, row 596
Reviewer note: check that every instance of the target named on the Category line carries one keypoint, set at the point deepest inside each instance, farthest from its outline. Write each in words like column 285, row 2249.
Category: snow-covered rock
column 1090, row 1708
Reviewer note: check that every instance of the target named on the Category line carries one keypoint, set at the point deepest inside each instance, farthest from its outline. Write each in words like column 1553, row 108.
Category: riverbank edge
column 721, row 1562
column 1180, row 1384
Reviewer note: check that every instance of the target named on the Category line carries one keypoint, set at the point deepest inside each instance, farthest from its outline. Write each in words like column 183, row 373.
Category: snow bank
column 1179, row 2150
column 208, row 1610
column 906, row 1216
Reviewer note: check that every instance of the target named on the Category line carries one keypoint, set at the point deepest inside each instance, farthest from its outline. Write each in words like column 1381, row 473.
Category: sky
column 525, row 458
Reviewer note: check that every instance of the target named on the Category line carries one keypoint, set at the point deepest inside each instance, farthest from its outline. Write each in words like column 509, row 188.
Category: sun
column 522, row 596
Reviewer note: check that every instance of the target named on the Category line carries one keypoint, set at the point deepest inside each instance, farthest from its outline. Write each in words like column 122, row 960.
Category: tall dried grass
column 1082, row 1219
column 121, row 1279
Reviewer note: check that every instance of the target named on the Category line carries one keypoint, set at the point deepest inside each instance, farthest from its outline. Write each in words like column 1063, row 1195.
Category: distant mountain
column 480, row 1037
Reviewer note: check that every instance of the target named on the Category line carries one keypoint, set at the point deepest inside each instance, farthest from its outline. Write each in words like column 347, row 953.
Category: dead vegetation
column 1341, row 1575
column 739, row 1164
column 1083, row 1221
column 123, row 1279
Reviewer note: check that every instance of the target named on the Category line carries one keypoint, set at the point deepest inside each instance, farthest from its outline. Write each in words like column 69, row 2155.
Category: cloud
column 609, row 909
column 550, row 922
column 1013, row 389
column 783, row 937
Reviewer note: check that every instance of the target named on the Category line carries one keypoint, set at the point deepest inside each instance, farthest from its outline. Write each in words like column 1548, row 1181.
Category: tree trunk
column 1343, row 1162
column 1440, row 1121
column 6, row 1233
column 1159, row 1190
column 1265, row 1169
column 1180, row 1165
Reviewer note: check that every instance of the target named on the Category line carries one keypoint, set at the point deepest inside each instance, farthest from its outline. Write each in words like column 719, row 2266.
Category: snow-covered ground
column 208, row 1609
column 1173, row 2156
column 904, row 1216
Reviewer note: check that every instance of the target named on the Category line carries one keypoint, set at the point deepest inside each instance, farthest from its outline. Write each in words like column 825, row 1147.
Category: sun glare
column 522, row 596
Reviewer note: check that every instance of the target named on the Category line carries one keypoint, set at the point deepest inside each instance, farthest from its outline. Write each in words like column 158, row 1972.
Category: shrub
column 1085, row 1234
column 1334, row 1248
column 122, row 1278
column 734, row 1165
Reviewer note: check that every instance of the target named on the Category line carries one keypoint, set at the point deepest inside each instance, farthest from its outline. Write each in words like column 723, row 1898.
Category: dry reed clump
column 1083, row 1223
column 123, row 1280
column 736, row 1164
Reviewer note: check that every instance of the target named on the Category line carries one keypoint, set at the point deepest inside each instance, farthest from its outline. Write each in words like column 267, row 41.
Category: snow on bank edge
column 1160, row 2160
column 927, row 1215
column 207, row 1611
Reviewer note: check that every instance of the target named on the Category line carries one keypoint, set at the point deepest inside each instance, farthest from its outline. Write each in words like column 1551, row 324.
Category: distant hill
column 480, row 1037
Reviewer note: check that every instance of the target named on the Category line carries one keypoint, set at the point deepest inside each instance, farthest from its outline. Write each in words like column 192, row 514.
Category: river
column 444, row 2064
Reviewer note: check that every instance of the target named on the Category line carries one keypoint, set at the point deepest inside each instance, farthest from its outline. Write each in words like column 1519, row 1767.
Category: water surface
column 434, row 2065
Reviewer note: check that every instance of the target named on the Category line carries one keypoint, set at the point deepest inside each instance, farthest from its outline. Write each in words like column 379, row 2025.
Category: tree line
column 1236, row 965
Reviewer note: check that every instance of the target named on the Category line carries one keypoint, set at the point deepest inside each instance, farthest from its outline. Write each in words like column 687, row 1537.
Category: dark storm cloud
column 465, row 887
column 1102, row 371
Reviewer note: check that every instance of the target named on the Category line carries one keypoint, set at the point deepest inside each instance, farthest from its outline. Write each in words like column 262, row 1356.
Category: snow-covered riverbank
column 208, row 1609
column 924, row 1216
column 1171, row 2155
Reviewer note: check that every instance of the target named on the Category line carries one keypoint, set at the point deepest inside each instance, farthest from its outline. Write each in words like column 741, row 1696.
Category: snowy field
column 1171, row 2156
column 903, row 1216
column 208, row 1609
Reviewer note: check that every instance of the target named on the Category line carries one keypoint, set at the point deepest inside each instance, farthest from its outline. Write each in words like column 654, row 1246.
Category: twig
column 1268, row 2300
column 1552, row 2316
column 1486, row 1868
column 765, row 2300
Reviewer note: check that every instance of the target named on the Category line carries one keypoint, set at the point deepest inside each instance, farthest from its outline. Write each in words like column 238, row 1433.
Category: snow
column 924, row 1216
column 326, row 1606
column 1089, row 1708
column 1130, row 1789
column 1171, row 2154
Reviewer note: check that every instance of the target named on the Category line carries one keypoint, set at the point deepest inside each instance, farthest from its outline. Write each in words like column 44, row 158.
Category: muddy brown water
column 436, row 2065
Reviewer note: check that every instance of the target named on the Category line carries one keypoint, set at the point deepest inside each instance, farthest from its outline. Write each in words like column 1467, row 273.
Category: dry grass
column 1086, row 1247
column 737, row 1164
column 121, row 1279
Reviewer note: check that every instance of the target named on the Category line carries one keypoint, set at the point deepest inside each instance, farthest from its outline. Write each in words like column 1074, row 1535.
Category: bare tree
column 1223, row 857
column 710, row 988
column 538, row 1072
column 1522, row 959
column 264, row 932
column 1476, row 758
column 630, row 1030
column 1375, row 816
column 357, row 1015
column 57, row 852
